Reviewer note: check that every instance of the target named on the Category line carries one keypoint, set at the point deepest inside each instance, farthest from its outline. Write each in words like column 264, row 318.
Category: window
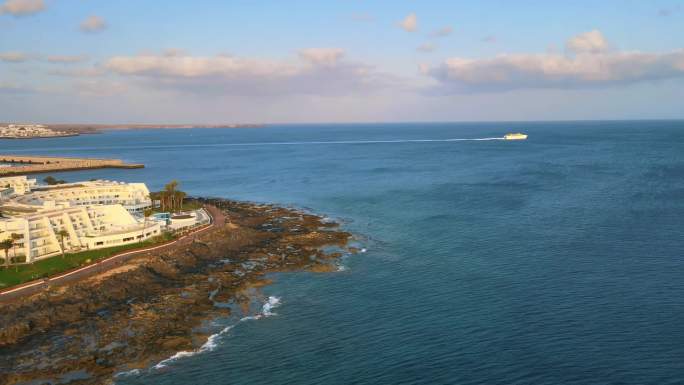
column 99, row 243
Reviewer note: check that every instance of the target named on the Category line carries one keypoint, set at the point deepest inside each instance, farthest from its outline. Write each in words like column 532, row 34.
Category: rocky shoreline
column 154, row 306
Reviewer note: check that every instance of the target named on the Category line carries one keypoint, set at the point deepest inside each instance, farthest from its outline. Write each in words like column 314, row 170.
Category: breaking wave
column 212, row 341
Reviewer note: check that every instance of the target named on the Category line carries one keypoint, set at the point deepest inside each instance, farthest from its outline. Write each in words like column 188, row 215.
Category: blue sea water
column 556, row 260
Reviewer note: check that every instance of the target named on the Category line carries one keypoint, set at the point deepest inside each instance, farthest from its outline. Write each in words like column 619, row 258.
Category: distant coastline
column 32, row 131
column 41, row 137
column 82, row 129
column 98, row 128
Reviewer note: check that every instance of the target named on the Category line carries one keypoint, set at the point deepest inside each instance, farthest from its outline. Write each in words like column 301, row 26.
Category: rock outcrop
column 140, row 313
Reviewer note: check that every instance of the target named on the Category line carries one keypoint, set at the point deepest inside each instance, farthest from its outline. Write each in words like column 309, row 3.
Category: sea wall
column 39, row 164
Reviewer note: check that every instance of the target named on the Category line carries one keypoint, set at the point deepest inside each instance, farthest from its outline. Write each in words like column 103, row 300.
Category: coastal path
column 217, row 220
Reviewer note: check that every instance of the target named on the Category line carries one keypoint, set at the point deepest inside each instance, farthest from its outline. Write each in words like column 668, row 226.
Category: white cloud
column 13, row 57
column 442, row 32
column 591, row 66
column 327, row 56
column 195, row 66
column 588, row 42
column 93, row 24
column 22, row 7
column 319, row 71
column 410, row 23
column 66, row 59
column 426, row 47
column 489, row 39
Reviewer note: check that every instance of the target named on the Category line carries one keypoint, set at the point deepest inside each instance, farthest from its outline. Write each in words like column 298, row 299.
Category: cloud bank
column 326, row 56
column 319, row 71
column 20, row 8
column 589, row 63
column 66, row 59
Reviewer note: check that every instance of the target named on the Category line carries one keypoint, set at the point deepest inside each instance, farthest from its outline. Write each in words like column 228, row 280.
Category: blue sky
column 339, row 61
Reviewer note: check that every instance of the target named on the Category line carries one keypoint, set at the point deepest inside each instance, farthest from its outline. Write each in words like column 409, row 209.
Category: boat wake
column 352, row 142
column 305, row 143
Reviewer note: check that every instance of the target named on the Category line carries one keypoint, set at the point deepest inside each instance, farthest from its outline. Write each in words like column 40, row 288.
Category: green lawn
column 16, row 275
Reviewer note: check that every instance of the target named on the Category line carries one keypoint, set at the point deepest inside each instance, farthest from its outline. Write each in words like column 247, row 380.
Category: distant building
column 18, row 131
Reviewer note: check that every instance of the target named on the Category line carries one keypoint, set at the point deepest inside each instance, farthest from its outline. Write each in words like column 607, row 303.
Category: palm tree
column 170, row 190
column 6, row 245
column 147, row 213
column 155, row 196
column 15, row 237
column 62, row 233
column 180, row 196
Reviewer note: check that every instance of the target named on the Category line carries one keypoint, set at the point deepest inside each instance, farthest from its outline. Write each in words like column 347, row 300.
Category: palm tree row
column 10, row 243
column 170, row 198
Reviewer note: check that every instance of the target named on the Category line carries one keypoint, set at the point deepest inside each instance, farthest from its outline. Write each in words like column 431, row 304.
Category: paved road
column 217, row 221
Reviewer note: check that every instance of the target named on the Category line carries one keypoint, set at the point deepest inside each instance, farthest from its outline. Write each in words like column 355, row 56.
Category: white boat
column 515, row 136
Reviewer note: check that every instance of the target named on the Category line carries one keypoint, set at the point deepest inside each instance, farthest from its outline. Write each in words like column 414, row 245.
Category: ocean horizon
column 556, row 259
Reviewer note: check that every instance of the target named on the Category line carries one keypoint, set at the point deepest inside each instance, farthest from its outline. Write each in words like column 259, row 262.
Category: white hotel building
column 94, row 214
column 134, row 197
column 20, row 185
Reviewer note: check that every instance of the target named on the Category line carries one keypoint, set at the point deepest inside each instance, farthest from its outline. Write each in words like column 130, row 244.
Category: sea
column 554, row 260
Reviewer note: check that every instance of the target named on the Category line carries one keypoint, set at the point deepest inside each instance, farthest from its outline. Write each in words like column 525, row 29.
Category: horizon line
column 246, row 125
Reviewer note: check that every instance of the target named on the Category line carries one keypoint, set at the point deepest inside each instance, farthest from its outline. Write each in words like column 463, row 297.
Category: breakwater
column 22, row 164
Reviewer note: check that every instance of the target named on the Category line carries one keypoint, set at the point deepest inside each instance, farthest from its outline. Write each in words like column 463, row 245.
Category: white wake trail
column 352, row 142
column 258, row 144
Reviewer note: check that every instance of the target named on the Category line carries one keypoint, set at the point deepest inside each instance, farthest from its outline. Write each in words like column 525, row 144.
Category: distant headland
column 46, row 130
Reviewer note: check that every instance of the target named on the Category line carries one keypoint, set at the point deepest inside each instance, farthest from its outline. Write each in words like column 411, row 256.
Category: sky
column 212, row 61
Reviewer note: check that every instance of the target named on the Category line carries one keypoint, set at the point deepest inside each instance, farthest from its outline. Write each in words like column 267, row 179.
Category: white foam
column 363, row 250
column 133, row 372
column 182, row 354
column 272, row 303
column 212, row 341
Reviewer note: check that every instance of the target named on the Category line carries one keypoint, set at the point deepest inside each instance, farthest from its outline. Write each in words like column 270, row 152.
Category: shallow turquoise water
column 554, row 260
